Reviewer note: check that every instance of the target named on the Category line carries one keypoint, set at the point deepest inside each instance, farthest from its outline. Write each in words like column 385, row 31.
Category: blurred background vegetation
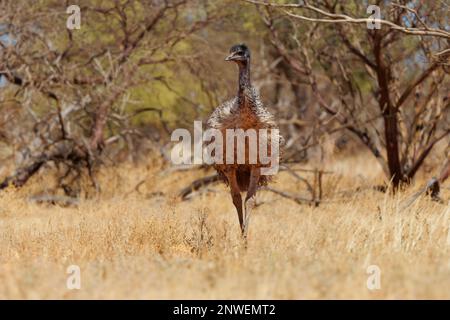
column 72, row 101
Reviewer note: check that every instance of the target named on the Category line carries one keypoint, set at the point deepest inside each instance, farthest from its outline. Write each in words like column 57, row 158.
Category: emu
column 245, row 111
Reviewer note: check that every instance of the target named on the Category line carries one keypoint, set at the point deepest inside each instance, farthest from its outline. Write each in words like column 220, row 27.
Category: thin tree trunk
column 391, row 136
column 389, row 115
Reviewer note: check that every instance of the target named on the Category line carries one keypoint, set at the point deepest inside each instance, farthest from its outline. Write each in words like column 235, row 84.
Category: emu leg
column 251, row 197
column 236, row 196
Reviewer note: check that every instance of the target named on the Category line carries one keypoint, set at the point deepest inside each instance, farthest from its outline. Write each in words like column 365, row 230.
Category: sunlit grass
column 142, row 244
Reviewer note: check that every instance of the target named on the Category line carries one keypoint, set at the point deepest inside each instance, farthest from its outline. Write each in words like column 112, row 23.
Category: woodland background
column 85, row 172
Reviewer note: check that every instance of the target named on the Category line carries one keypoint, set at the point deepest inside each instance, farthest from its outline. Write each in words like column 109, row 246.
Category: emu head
column 239, row 54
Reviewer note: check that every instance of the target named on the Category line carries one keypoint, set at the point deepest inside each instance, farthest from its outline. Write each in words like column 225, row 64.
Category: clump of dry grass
column 138, row 243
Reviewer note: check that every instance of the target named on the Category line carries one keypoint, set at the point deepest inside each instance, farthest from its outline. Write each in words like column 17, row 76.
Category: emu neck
column 244, row 77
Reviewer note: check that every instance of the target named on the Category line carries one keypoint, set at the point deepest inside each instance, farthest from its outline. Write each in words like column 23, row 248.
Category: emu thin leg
column 250, row 197
column 236, row 196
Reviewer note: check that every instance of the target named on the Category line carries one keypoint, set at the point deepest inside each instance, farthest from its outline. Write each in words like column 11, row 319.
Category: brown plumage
column 245, row 111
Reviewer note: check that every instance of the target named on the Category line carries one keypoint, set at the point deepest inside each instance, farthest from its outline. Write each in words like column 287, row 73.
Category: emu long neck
column 244, row 77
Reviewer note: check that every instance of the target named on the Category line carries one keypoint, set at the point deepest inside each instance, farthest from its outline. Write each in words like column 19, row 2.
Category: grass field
column 148, row 244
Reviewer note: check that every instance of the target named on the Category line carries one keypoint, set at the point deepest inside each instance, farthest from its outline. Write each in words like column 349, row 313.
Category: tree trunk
column 389, row 115
column 391, row 136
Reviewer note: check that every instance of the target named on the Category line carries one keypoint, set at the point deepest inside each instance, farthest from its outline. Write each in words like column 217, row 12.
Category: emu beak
column 231, row 57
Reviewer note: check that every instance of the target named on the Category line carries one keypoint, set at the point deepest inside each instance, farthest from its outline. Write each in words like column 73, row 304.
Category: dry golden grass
column 144, row 245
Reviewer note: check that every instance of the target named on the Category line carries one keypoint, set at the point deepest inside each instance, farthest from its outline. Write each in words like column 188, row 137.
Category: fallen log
column 197, row 184
column 433, row 186
column 63, row 150
column 291, row 196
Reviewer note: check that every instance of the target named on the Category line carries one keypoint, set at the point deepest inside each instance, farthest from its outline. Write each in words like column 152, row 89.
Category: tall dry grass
column 145, row 244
